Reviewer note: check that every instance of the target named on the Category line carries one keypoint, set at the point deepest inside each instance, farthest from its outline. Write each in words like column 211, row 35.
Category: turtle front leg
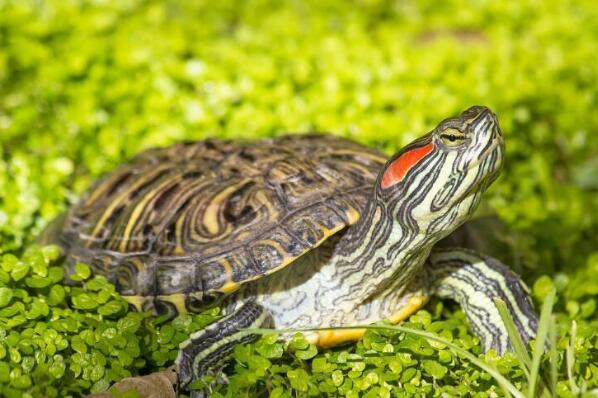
column 210, row 347
column 474, row 281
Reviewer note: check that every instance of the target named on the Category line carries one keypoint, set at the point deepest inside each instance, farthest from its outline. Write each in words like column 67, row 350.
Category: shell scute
column 175, row 276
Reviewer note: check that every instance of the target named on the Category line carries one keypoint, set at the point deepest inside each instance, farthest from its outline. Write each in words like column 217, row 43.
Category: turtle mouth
column 496, row 142
column 485, row 181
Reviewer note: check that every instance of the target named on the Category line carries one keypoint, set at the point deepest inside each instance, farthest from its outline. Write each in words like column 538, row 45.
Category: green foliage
column 86, row 84
column 59, row 340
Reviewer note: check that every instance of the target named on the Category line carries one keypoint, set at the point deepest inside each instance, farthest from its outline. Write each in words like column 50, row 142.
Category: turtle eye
column 452, row 137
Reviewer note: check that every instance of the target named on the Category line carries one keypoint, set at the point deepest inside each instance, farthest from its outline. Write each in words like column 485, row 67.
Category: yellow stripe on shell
column 136, row 301
column 211, row 214
column 362, row 154
column 210, row 221
column 102, row 189
column 210, row 218
column 118, row 200
column 176, row 299
column 229, row 286
column 138, row 210
column 270, row 209
column 352, row 215
column 179, row 224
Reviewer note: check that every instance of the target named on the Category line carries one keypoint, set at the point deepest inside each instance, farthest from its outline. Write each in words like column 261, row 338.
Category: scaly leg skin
column 208, row 348
column 474, row 280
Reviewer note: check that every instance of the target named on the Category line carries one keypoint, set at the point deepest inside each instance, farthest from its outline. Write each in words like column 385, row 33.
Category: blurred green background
column 84, row 85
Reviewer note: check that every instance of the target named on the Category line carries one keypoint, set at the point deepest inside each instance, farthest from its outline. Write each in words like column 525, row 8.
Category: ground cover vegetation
column 84, row 85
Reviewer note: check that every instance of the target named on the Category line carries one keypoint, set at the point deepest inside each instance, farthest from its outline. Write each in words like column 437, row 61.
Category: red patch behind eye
column 397, row 170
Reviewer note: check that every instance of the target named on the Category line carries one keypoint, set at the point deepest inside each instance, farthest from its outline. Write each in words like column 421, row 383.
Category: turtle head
column 435, row 183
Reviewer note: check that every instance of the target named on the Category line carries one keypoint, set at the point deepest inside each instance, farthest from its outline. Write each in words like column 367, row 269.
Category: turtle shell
column 210, row 215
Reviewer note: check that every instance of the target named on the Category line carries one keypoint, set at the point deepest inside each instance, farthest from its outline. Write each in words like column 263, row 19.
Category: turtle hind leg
column 474, row 281
column 210, row 347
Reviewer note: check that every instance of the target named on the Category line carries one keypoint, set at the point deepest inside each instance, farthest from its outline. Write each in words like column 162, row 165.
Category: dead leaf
column 155, row 385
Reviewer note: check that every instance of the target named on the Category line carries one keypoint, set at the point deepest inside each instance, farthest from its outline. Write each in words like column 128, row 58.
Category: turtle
column 299, row 231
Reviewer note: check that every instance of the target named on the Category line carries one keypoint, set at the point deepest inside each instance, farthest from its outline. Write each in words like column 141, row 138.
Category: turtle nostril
column 473, row 111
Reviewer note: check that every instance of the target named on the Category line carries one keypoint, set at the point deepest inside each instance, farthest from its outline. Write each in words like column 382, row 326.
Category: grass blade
column 518, row 345
column 571, row 358
column 505, row 384
column 543, row 327
column 553, row 355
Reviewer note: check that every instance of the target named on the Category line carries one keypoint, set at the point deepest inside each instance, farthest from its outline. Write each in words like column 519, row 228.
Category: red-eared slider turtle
column 299, row 231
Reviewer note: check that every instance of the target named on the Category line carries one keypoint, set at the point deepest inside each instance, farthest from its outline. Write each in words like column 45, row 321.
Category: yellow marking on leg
column 414, row 304
column 311, row 337
column 330, row 338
